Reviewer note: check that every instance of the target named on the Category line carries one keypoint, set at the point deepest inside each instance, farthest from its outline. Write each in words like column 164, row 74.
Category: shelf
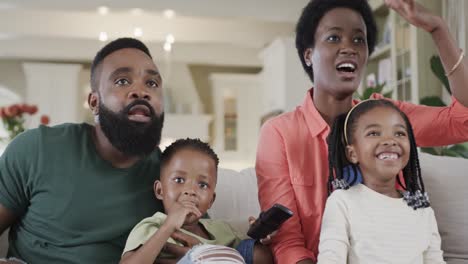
column 402, row 52
column 378, row 7
column 380, row 52
column 403, row 81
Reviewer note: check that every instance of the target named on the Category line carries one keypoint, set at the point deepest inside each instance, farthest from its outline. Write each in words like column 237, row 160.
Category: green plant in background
column 373, row 89
column 459, row 150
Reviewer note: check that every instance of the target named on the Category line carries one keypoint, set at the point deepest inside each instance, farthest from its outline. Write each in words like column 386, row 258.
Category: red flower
column 12, row 111
column 45, row 120
column 2, row 112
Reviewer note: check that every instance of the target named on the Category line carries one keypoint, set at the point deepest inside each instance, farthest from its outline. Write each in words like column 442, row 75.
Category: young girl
column 386, row 218
column 334, row 39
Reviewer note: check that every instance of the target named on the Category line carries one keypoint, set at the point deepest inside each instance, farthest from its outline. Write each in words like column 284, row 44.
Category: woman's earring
column 309, row 63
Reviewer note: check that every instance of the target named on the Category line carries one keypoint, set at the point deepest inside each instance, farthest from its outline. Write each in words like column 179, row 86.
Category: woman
column 334, row 40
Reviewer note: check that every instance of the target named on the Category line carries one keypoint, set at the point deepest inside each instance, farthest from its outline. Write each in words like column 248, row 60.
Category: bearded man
column 71, row 193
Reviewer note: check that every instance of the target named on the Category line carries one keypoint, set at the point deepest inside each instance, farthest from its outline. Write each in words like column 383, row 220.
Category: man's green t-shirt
column 73, row 206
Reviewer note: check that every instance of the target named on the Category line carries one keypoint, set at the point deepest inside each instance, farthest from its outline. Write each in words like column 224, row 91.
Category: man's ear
column 158, row 192
column 212, row 200
column 351, row 154
column 93, row 102
column 308, row 56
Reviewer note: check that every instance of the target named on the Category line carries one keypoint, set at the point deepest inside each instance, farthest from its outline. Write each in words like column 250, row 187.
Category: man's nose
column 139, row 93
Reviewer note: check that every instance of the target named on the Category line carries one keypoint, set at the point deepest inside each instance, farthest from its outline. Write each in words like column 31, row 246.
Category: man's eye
column 203, row 185
column 333, row 38
column 152, row 83
column 122, row 82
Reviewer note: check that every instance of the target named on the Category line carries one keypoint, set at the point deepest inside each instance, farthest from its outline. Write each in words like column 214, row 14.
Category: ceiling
column 221, row 32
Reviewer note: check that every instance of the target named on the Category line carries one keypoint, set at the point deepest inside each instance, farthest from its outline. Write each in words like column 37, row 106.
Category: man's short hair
column 118, row 44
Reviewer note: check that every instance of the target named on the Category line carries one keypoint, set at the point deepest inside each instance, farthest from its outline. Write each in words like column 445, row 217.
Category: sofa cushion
column 446, row 181
column 236, row 198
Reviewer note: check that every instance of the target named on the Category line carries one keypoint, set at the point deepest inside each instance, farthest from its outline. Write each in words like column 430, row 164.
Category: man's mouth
column 139, row 113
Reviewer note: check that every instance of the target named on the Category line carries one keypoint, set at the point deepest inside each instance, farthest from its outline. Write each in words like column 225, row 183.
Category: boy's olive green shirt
column 72, row 206
column 221, row 233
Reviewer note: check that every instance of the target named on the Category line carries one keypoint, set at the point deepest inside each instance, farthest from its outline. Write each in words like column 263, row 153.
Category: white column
column 245, row 88
column 54, row 89
column 284, row 82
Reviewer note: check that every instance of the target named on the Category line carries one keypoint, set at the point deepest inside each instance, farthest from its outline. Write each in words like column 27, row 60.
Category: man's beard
column 130, row 137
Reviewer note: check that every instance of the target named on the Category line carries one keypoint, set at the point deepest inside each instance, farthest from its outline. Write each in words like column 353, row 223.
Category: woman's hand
column 415, row 14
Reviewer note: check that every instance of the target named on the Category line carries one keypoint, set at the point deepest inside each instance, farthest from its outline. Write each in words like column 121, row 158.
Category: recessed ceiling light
column 169, row 13
column 103, row 10
column 4, row 36
column 7, row 6
column 170, row 38
column 136, row 11
column 167, row 47
column 138, row 32
column 103, row 36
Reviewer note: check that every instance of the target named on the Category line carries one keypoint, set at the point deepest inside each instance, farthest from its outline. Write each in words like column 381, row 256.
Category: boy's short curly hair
column 188, row 143
column 313, row 13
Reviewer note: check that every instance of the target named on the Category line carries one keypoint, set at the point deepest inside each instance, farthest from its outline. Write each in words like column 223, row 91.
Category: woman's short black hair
column 313, row 13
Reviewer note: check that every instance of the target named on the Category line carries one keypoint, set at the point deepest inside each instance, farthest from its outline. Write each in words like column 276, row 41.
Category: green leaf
column 461, row 150
column 431, row 151
column 438, row 70
column 432, row 101
column 367, row 93
column 388, row 94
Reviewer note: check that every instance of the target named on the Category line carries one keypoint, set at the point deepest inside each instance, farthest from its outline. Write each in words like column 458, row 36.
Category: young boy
column 187, row 190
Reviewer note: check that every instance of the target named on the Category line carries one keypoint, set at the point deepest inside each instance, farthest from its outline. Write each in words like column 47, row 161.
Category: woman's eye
column 373, row 133
column 122, row 82
column 179, row 180
column 333, row 38
column 152, row 83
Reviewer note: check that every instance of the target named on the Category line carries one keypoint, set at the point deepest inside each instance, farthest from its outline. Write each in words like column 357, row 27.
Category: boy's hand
column 176, row 250
column 186, row 240
column 179, row 212
column 266, row 240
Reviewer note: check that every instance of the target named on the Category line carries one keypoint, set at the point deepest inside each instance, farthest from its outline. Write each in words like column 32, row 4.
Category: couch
column 446, row 181
column 445, row 178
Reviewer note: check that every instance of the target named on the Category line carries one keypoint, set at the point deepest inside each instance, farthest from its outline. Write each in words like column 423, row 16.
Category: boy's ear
column 351, row 154
column 212, row 200
column 158, row 192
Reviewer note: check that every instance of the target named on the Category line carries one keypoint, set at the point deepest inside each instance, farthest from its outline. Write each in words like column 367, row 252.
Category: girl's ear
column 158, row 191
column 351, row 154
